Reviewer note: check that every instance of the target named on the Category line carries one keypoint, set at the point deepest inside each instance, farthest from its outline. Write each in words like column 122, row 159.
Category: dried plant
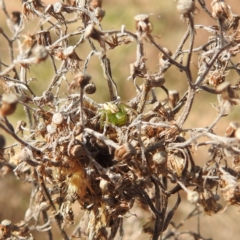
column 108, row 157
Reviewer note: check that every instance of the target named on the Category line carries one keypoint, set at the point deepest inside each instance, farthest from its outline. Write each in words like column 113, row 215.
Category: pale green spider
column 114, row 114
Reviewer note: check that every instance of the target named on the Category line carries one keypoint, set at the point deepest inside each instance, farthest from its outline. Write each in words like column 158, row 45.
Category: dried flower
column 5, row 229
column 14, row 21
column 80, row 80
column 216, row 77
column 176, row 163
column 143, row 26
column 9, row 104
column 92, row 32
column 77, row 151
column 229, row 187
column 90, row 88
column 173, row 98
column 40, row 53
column 57, row 118
column 124, row 152
column 20, row 126
column 71, row 57
column 95, row 3
column 209, row 203
column 44, row 38
column 32, row 7
column 160, row 157
column 231, row 129
column 186, row 7
column 99, row 13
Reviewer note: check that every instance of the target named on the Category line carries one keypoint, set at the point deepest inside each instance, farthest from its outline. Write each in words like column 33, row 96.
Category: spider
column 114, row 114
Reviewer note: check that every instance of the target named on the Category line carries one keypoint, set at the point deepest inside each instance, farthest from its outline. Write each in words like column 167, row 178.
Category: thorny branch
column 110, row 156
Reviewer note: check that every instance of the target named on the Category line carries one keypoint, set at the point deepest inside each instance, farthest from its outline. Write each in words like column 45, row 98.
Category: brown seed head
column 9, row 104
column 160, row 157
column 142, row 23
column 42, row 128
column 48, row 97
column 226, row 91
column 68, row 51
column 58, row 7
column 94, row 33
column 192, row 196
column 231, row 129
column 44, row 38
column 77, row 151
column 104, row 185
column 99, row 13
column 209, row 203
column 124, row 151
column 16, row 17
column 82, row 79
column 185, row 7
column 5, row 229
column 57, row 118
column 220, row 10
column 157, row 81
column 96, row 3
column 90, row 88
column 40, row 53
column 173, row 98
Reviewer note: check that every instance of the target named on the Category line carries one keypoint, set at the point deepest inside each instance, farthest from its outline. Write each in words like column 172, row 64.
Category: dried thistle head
column 40, row 54
column 5, row 229
column 14, row 21
column 124, row 152
column 161, row 110
column 44, row 38
column 173, row 98
column 176, row 163
column 48, row 97
column 229, row 186
column 216, row 77
column 57, row 119
column 55, row 10
column 95, row 3
column 16, row 17
column 186, row 7
column 227, row 93
column 73, row 60
column 41, row 129
column 31, row 7
column 8, row 104
column 29, row 40
column 155, row 80
column 99, row 13
column 77, row 179
column 192, row 196
column 20, row 126
column 163, row 60
column 231, row 129
column 209, row 202
column 160, row 157
column 223, row 14
column 92, row 32
column 220, row 10
column 77, row 151
column 81, row 80
column 90, row 88
column 143, row 26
